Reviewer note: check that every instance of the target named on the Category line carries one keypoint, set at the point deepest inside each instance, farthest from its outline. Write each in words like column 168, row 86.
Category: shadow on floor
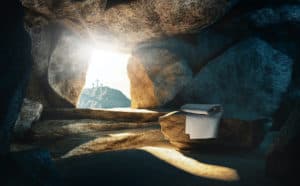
column 138, row 167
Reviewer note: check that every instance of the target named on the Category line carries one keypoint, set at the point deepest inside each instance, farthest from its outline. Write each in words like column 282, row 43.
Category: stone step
column 53, row 129
column 116, row 114
column 76, row 137
column 232, row 133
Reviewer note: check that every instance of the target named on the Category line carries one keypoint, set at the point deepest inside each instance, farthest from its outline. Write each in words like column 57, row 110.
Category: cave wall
column 162, row 66
column 126, row 24
column 156, row 76
column 60, row 64
column 57, row 29
column 248, row 79
column 177, row 60
column 266, row 34
column 276, row 81
column 15, row 65
column 249, row 62
column 68, row 65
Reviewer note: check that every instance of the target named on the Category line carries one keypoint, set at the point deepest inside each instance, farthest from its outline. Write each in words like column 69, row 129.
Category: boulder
column 286, row 41
column 128, row 22
column 232, row 133
column 248, row 80
column 52, row 130
column 210, row 44
column 196, row 49
column 41, row 41
column 267, row 17
column 55, row 49
column 68, row 65
column 156, row 75
column 116, row 114
column 30, row 113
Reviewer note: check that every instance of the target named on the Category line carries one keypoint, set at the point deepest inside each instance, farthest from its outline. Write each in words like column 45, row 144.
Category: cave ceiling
column 126, row 22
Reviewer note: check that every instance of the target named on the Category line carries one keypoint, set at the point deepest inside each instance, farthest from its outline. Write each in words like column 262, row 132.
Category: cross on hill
column 97, row 82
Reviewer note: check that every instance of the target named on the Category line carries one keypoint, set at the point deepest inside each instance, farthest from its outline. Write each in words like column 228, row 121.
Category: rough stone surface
column 196, row 49
column 210, row 44
column 30, row 112
column 129, row 22
column 119, row 141
column 56, row 129
column 120, row 114
column 60, row 64
column 233, row 133
column 78, row 137
column 248, row 80
column 278, row 24
column 273, row 16
column 68, row 65
column 43, row 41
column 156, row 76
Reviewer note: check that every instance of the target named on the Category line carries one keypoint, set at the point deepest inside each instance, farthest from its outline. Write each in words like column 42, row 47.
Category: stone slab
column 232, row 133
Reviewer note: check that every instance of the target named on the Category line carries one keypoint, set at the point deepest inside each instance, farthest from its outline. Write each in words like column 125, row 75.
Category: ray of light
column 191, row 165
column 109, row 68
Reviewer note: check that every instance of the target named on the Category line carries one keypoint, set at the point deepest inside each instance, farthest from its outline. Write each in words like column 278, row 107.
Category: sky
column 110, row 68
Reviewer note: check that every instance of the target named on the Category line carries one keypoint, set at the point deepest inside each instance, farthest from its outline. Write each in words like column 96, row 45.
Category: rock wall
column 30, row 112
column 156, row 76
column 128, row 23
column 15, row 67
column 264, row 90
column 170, row 65
column 68, row 65
column 248, row 80
column 279, row 25
column 60, row 64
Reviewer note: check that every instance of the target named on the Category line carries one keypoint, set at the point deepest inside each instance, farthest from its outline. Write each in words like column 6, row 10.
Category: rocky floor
column 64, row 138
column 99, row 152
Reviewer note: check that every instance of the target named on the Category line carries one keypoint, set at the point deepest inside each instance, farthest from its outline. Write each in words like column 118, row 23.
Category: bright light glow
column 191, row 165
column 125, row 134
column 110, row 68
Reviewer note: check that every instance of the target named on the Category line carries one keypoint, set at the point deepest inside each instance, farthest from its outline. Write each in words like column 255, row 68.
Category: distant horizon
column 110, row 68
column 105, row 86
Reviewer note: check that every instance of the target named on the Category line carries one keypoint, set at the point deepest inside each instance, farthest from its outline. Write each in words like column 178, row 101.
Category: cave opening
column 107, row 84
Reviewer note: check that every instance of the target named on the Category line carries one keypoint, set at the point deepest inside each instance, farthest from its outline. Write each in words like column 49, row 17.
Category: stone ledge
column 233, row 133
column 135, row 115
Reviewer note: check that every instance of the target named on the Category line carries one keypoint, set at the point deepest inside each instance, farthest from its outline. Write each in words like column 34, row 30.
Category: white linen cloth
column 202, row 126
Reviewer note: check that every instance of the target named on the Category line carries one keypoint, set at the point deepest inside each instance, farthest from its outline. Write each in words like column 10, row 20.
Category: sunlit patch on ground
column 191, row 165
column 119, row 140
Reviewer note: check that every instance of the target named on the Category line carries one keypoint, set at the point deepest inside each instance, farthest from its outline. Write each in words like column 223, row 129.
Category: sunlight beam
column 110, row 68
